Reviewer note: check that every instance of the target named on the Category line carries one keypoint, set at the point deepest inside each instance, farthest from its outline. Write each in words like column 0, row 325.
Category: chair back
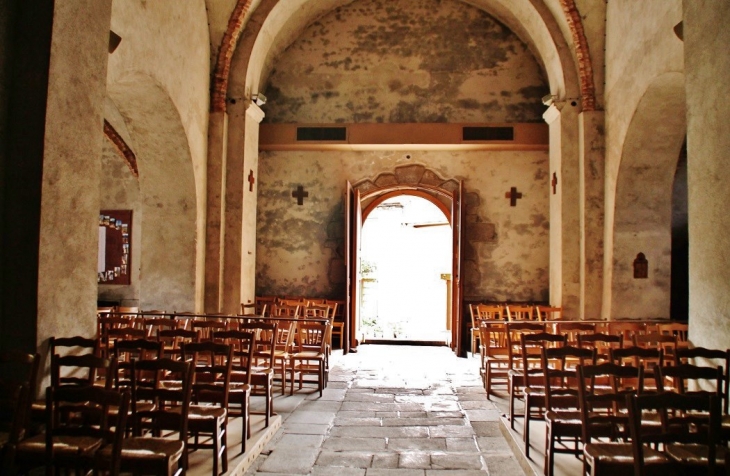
column 572, row 330
column 243, row 343
column 710, row 357
column 92, row 409
column 602, row 343
column 491, row 312
column 560, row 374
column 548, row 313
column 78, row 370
column 211, row 363
column 18, row 374
column 531, row 351
column 166, row 385
column 206, row 329
column 126, row 352
column 514, row 339
column 173, row 339
column 516, row 312
column 685, row 419
column 312, row 336
column 263, row 355
column 604, row 413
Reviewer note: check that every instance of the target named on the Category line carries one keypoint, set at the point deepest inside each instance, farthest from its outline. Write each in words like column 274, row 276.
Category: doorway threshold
column 433, row 343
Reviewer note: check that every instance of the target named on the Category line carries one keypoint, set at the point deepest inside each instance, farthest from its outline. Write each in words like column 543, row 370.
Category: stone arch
column 167, row 193
column 222, row 70
column 643, row 207
column 287, row 20
column 583, row 56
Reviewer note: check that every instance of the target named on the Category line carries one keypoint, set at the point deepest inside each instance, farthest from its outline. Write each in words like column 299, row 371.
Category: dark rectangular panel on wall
column 321, row 133
column 488, row 133
column 115, row 247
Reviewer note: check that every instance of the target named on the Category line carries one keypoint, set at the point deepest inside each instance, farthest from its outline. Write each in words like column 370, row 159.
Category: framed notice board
column 115, row 247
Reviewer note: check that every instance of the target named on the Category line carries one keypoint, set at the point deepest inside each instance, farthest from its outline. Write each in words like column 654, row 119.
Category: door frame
column 355, row 218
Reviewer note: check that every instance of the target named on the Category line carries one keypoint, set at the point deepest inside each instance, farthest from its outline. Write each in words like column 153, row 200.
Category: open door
column 457, row 301
column 353, row 232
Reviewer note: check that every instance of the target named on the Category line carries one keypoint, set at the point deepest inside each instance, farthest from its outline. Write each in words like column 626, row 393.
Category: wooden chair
column 310, row 354
column 572, row 330
column 533, row 378
column 126, row 352
column 647, row 358
column 627, row 330
column 514, row 349
column 152, row 325
column 292, row 311
column 562, row 402
column 206, row 329
column 265, row 303
column 253, row 309
column 604, row 415
column 106, row 324
column 75, row 345
column 243, row 344
column 173, row 339
column 157, row 407
column 208, row 413
column 654, row 340
column 494, row 353
column 474, row 329
column 79, row 370
column 73, row 443
column 678, row 329
column 18, row 373
column 548, row 313
column 712, row 357
column 262, row 370
column 516, row 312
column 338, row 320
column 602, row 343
column 688, row 434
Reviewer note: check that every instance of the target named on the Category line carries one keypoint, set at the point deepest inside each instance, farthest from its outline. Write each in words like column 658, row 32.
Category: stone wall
column 645, row 129
column 300, row 248
column 406, row 61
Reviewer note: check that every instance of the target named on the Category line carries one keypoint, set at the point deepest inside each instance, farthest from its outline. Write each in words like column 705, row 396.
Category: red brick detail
column 585, row 66
column 124, row 150
column 225, row 55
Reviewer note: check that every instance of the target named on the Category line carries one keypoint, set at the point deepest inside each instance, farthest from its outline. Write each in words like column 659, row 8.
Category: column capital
column 255, row 112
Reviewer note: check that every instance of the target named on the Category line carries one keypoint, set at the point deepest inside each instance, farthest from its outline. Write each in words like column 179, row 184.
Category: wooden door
column 353, row 231
column 457, row 301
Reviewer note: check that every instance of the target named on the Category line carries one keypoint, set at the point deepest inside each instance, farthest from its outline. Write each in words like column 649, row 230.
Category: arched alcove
column 643, row 213
column 167, row 198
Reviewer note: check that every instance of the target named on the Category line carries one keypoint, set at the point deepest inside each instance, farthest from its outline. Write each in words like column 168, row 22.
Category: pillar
column 216, row 192
column 707, row 67
column 565, row 223
column 591, row 182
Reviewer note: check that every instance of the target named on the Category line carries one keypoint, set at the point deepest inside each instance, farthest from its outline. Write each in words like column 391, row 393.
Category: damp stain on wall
column 406, row 61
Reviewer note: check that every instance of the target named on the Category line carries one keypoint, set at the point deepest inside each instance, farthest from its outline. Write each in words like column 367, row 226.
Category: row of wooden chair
column 225, row 371
column 536, row 364
column 510, row 313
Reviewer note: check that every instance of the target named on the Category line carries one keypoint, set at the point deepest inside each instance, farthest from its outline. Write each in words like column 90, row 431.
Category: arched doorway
column 405, row 262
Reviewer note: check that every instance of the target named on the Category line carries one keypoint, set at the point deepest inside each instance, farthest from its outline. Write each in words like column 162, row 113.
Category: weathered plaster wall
column 637, row 53
column 119, row 190
column 406, row 61
column 299, row 248
column 706, row 38
column 179, row 63
column 69, row 236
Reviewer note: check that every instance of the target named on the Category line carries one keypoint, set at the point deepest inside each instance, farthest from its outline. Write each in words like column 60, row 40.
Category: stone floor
column 401, row 410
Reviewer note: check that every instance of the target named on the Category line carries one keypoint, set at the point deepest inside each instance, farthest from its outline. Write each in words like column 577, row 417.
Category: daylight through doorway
column 406, row 260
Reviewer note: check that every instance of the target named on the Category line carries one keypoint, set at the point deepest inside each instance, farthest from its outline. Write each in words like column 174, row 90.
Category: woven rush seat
column 144, row 451
column 694, row 454
column 65, row 446
column 620, row 454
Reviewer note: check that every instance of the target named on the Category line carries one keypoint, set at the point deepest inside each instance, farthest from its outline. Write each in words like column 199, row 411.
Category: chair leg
column 224, row 446
column 526, row 436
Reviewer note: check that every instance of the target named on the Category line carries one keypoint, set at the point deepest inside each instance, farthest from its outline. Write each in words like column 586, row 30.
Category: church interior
column 238, row 146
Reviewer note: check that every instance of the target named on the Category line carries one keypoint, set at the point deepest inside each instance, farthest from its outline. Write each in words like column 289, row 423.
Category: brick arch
column 583, row 55
column 121, row 145
column 222, row 70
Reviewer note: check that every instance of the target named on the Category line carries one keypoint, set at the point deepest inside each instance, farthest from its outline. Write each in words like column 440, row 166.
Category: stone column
column 591, row 170
column 67, row 262
column 254, row 116
column 707, row 67
column 565, row 287
column 240, row 213
column 216, row 192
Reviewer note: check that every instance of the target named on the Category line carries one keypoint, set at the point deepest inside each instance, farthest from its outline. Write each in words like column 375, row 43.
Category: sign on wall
column 115, row 247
